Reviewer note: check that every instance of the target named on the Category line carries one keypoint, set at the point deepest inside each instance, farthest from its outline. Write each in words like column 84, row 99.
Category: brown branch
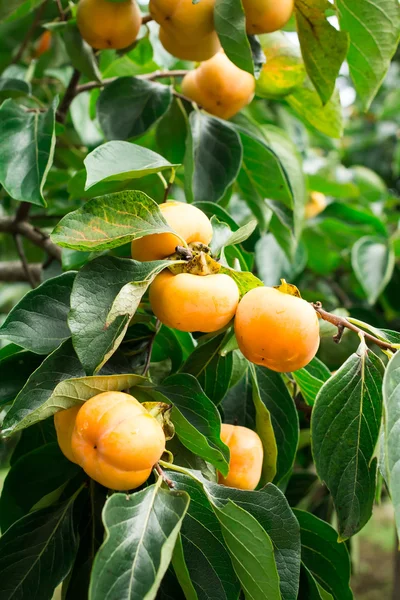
column 341, row 323
column 29, row 33
column 146, row 19
column 60, row 10
column 23, row 211
column 13, row 270
column 86, row 87
column 69, row 95
column 150, row 348
column 163, row 476
column 21, row 253
column 33, row 234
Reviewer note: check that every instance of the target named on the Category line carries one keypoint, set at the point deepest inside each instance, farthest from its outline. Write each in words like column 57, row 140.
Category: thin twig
column 163, row 476
column 29, row 33
column 13, row 270
column 69, row 95
column 150, row 347
column 35, row 235
column 146, row 19
column 24, row 262
column 341, row 323
column 86, row 87
column 60, row 10
column 23, row 211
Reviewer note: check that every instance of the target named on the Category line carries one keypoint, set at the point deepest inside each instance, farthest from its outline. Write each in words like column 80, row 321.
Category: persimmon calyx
column 288, row 288
column 161, row 411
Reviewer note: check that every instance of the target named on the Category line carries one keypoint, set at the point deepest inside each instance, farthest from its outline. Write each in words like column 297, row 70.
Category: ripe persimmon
column 43, row 44
column 315, row 205
column 219, row 86
column 186, row 29
column 194, row 302
column 276, row 330
column 246, row 457
column 266, row 16
column 187, row 220
column 105, row 24
column 114, row 439
column 64, row 422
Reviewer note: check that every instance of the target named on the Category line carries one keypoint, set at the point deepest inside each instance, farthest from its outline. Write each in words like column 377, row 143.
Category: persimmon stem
column 163, row 476
column 342, row 323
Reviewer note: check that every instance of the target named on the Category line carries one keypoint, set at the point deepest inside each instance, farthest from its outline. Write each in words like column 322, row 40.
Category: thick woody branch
column 342, row 323
column 14, row 270
column 33, row 234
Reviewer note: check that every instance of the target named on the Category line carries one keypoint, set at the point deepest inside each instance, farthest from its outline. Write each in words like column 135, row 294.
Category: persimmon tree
column 112, row 295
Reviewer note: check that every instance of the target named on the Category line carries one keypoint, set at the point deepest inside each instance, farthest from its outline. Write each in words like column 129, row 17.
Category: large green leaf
column 37, row 553
column 230, row 24
column 39, row 321
column 311, row 378
column 13, row 88
column 326, row 559
column 80, row 53
column 196, row 419
column 141, row 533
column 14, row 371
column 212, row 160
column 118, row 161
column 17, row 8
column 105, row 296
column 110, row 221
column 310, row 589
column 31, row 135
column 43, row 471
column 345, row 427
column 205, row 554
column 391, row 396
column 60, row 383
column 323, row 47
column 307, row 105
column 129, row 106
column 274, row 394
column 373, row 262
column 374, row 34
column 251, row 551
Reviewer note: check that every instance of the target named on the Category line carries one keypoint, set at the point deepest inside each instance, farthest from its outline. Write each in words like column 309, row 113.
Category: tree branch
column 341, row 323
column 13, row 270
column 21, row 253
column 86, row 87
column 35, row 235
column 146, row 19
column 69, row 95
column 29, row 34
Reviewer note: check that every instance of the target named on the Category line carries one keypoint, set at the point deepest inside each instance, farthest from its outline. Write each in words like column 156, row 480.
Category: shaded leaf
column 230, row 25
column 307, row 105
column 373, row 262
column 14, row 371
column 311, row 378
column 13, row 88
column 80, row 53
column 141, row 533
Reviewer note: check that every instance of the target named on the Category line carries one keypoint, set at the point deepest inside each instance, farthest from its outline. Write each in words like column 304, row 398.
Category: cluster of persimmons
column 112, row 436
column 187, row 31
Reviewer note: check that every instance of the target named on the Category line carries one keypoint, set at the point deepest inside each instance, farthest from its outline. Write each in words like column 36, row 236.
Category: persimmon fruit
column 186, row 29
column 114, row 439
column 246, row 457
column 315, row 205
column 266, row 16
column 187, row 220
column 219, row 86
column 276, row 330
column 105, row 24
column 190, row 302
column 64, row 422
column 43, row 44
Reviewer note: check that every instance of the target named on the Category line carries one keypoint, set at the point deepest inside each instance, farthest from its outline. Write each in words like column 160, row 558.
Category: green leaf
column 80, row 53
column 129, row 106
column 272, row 262
column 323, row 47
column 307, row 105
column 251, row 551
column 13, row 88
column 181, row 570
column 196, row 419
column 42, row 471
column 17, row 8
column 230, row 24
column 39, row 321
column 374, row 34
column 391, row 396
column 212, row 370
column 105, row 296
column 60, row 383
column 37, row 552
column 173, row 344
column 326, row 559
column 204, row 550
column 265, row 430
column 275, row 396
column 269, row 507
column 245, row 280
column 373, row 262
column 212, row 160
column 141, row 533
column 345, row 427
column 33, row 134
column 119, row 161
column 224, row 237
column 110, row 221
column 309, row 588
column 14, row 371
column 283, row 70
column 311, row 378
